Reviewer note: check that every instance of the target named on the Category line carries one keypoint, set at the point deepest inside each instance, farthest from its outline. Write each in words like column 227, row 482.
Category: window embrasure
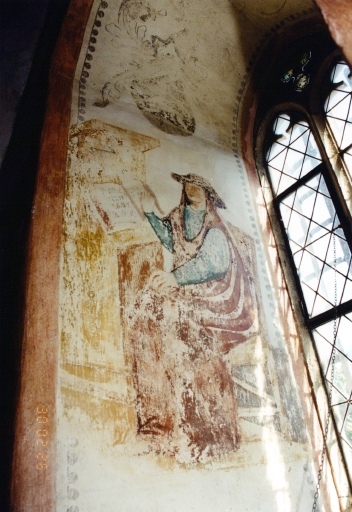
column 314, row 217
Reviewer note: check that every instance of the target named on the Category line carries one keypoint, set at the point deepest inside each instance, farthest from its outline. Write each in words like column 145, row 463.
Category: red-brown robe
column 186, row 402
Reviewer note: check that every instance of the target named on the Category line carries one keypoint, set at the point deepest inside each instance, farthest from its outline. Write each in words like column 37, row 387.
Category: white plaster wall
column 103, row 465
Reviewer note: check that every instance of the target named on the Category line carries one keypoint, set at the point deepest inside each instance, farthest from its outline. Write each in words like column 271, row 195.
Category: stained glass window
column 295, row 73
column 318, row 234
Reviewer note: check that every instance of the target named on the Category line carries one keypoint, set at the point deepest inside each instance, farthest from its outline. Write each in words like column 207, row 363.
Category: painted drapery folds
column 162, row 323
column 166, row 368
column 183, row 323
column 173, row 362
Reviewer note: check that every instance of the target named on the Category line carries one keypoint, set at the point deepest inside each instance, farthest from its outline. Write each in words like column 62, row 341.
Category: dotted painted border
column 253, row 60
column 238, row 162
column 72, row 477
column 88, row 58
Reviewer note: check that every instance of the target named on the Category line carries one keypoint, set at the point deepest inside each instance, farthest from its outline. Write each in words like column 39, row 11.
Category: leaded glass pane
column 347, row 427
column 340, row 411
column 343, row 341
column 346, row 436
column 342, row 379
column 338, row 109
column 311, row 224
column 321, row 254
column 293, row 153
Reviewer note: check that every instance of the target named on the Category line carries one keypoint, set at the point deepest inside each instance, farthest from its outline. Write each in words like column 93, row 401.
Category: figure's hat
column 200, row 182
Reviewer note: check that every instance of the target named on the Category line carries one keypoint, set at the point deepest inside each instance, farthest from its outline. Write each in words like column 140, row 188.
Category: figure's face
column 195, row 196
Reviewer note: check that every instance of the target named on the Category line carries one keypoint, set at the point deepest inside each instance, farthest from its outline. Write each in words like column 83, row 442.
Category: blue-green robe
column 213, row 258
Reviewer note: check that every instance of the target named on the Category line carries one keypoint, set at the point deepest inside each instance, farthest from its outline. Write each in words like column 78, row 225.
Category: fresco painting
column 161, row 62
column 163, row 328
column 172, row 365
column 159, row 97
column 163, row 368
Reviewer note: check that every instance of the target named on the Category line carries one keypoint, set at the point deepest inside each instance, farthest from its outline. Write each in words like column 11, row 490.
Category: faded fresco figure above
column 184, row 322
column 160, row 97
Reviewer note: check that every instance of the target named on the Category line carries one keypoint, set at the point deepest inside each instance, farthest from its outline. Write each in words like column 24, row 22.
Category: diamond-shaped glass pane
column 320, row 246
column 282, row 124
column 285, row 213
column 347, row 293
column 340, row 410
column 297, row 257
column 275, row 177
column 310, row 270
column 338, row 105
column 346, row 436
column 324, row 211
column 320, row 251
column 293, row 154
column 314, row 183
column 321, row 304
column 347, row 426
column 341, row 107
column 340, row 380
column 309, row 164
column 343, row 341
column 347, row 136
column 285, row 182
column 297, row 228
column 299, row 139
column 277, row 156
column 323, row 342
column 309, row 296
column 305, row 200
column 334, row 99
column 312, row 147
column 342, row 377
column 337, row 127
column 347, row 449
column 293, row 164
column 296, row 249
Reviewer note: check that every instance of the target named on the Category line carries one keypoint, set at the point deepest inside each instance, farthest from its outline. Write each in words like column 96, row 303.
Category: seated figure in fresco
column 184, row 322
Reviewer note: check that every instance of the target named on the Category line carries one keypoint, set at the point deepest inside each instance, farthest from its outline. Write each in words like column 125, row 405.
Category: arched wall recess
column 154, row 352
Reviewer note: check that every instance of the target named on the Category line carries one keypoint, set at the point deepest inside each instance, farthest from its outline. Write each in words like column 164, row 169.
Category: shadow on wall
column 28, row 34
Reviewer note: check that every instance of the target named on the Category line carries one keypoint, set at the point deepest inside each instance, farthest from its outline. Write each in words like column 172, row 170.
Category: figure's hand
column 162, row 281
column 148, row 202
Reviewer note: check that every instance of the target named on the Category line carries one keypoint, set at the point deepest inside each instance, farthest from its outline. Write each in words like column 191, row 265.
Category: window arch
column 304, row 154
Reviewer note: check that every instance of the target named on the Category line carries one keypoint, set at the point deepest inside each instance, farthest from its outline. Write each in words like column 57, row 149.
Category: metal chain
column 333, row 355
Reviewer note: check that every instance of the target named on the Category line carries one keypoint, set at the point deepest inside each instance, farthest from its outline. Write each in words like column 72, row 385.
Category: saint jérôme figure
column 184, row 322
